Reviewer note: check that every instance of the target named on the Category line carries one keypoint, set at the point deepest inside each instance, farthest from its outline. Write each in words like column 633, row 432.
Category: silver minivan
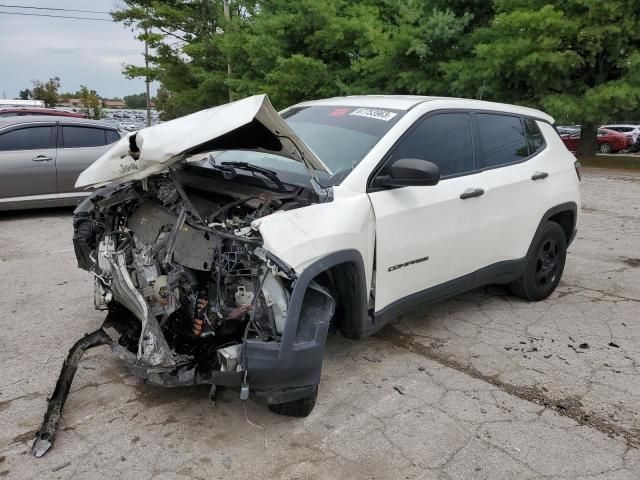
column 42, row 156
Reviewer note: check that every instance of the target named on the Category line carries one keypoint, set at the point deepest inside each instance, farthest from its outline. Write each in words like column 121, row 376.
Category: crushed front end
column 191, row 295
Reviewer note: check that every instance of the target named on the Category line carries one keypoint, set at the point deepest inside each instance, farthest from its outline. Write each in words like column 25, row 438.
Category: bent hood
column 248, row 124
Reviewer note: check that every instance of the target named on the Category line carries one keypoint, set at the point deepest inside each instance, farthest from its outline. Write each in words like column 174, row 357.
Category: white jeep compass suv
column 224, row 244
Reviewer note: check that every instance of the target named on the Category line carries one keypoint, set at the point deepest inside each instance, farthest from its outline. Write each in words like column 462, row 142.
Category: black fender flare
column 562, row 207
column 288, row 370
column 360, row 323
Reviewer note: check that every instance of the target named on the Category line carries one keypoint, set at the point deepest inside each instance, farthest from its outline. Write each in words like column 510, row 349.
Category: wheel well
column 566, row 220
column 344, row 284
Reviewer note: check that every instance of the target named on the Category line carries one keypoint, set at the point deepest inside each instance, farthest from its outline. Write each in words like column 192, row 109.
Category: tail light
column 578, row 166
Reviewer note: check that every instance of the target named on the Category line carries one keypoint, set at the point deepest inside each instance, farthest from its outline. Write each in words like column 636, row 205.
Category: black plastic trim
column 476, row 192
column 501, row 272
column 563, row 207
column 288, row 369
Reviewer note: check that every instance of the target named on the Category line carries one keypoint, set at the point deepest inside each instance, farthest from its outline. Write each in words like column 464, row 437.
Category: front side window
column 535, row 138
column 77, row 137
column 502, row 139
column 28, row 138
column 444, row 139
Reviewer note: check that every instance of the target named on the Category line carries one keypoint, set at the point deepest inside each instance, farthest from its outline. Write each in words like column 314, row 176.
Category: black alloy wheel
column 544, row 265
column 547, row 263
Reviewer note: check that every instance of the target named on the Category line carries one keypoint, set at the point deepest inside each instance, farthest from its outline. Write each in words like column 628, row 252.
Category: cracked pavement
column 482, row 386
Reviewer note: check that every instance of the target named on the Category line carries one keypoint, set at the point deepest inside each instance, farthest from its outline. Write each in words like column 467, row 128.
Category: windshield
column 340, row 136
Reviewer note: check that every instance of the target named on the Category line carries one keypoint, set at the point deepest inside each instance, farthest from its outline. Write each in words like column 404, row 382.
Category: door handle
column 472, row 192
column 42, row 158
column 539, row 176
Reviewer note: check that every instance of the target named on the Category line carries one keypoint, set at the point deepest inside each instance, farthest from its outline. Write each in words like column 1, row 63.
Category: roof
column 9, row 121
column 397, row 102
column 407, row 102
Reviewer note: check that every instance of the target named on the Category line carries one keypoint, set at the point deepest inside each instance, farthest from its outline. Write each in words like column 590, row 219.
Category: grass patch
column 621, row 162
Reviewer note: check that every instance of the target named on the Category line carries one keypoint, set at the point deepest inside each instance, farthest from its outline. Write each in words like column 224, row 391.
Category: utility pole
column 147, row 81
column 227, row 17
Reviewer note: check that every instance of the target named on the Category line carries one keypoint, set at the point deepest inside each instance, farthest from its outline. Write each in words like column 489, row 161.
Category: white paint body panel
column 302, row 236
column 391, row 226
column 418, row 222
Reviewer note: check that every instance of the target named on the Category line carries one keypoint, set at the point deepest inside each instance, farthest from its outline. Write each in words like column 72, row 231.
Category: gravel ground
column 481, row 386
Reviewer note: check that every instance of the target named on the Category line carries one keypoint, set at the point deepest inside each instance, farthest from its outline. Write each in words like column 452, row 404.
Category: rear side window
column 534, row 136
column 444, row 139
column 502, row 139
column 76, row 137
column 112, row 136
column 28, row 138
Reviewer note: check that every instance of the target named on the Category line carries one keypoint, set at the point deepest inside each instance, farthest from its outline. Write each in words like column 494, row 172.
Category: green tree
column 25, row 94
column 91, row 102
column 297, row 50
column 138, row 100
column 183, row 36
column 48, row 91
column 577, row 59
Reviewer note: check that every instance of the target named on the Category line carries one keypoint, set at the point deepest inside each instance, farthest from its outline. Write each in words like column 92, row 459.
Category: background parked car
column 42, row 156
column 567, row 130
column 608, row 141
column 631, row 131
column 21, row 111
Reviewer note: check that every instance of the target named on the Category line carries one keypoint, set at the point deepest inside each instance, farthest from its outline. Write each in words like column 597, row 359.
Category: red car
column 16, row 111
column 608, row 141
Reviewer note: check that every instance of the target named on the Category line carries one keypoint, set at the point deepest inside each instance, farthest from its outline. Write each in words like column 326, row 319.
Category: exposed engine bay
column 179, row 267
column 198, row 272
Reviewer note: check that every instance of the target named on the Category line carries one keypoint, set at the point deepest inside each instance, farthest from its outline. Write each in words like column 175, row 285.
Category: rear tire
column 298, row 408
column 544, row 266
column 605, row 147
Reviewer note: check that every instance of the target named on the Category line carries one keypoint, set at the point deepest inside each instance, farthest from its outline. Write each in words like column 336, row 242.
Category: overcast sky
column 80, row 52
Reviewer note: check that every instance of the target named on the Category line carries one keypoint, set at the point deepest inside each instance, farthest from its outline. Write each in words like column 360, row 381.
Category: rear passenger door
column 512, row 157
column 78, row 147
column 27, row 161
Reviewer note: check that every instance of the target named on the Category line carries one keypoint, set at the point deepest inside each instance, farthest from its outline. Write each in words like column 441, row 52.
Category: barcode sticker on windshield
column 374, row 113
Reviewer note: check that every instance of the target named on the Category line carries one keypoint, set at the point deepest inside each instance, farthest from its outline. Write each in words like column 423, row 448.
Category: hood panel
column 251, row 124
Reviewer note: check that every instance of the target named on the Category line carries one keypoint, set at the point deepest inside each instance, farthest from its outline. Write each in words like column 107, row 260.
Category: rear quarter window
column 535, row 139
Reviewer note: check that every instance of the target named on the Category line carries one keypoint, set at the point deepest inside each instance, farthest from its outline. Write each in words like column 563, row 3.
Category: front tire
column 544, row 266
column 298, row 408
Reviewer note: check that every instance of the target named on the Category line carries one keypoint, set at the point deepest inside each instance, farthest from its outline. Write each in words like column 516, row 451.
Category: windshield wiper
column 270, row 174
column 228, row 172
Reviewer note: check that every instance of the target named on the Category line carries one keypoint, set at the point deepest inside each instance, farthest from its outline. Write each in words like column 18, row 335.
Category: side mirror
column 410, row 172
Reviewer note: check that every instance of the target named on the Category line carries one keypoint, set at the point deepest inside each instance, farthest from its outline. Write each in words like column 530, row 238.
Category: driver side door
column 425, row 234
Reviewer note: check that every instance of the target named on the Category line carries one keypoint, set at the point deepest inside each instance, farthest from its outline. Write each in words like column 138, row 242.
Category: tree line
column 579, row 60
column 90, row 101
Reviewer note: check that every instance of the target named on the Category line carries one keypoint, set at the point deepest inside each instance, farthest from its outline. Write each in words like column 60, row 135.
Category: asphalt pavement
column 482, row 386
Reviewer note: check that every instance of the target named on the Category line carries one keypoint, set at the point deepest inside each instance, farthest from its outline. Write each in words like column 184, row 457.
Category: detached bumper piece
column 46, row 434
